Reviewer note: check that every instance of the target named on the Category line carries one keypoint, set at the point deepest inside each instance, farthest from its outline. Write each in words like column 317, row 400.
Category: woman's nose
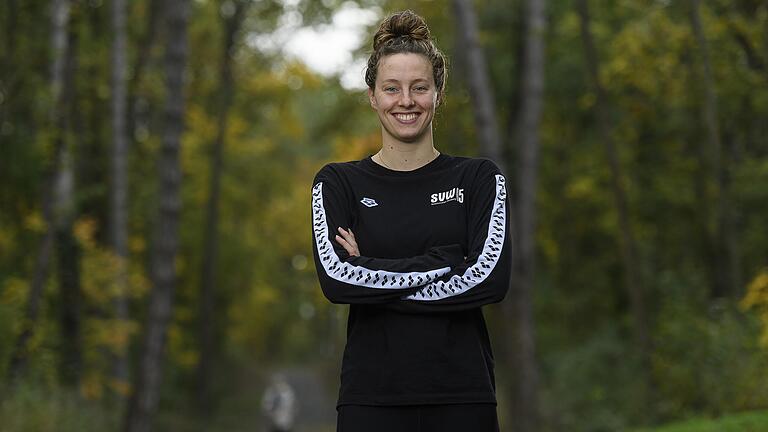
column 405, row 98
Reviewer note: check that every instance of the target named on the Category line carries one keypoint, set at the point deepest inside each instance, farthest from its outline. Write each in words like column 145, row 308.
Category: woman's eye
column 390, row 89
column 421, row 89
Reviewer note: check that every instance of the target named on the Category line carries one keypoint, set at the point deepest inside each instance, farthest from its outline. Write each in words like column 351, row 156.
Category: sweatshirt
column 434, row 247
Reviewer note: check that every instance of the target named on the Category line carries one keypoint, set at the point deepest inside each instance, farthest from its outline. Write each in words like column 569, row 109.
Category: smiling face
column 405, row 97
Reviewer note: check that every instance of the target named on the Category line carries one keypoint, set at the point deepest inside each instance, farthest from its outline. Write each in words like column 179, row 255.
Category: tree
column 722, row 244
column 144, row 399
column 232, row 18
column 66, row 246
column 518, row 306
column 524, row 397
column 119, row 184
column 478, row 80
column 633, row 280
column 59, row 25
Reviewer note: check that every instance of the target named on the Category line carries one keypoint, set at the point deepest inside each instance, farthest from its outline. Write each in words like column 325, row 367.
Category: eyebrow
column 416, row 81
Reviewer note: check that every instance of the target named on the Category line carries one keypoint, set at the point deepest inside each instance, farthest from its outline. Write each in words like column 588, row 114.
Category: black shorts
column 471, row 417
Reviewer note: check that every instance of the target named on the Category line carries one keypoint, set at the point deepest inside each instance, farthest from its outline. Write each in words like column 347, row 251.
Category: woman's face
column 405, row 96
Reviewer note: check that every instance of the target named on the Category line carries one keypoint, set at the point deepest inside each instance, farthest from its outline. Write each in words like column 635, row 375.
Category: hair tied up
column 402, row 25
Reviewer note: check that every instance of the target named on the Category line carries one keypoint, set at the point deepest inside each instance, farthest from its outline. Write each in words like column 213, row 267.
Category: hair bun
column 406, row 25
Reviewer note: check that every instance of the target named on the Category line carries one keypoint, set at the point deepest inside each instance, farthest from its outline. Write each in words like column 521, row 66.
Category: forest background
column 156, row 160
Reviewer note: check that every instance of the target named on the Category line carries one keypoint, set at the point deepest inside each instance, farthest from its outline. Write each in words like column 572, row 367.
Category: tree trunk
column 478, row 79
column 119, row 185
column 144, row 50
column 517, row 308
column 11, row 20
column 524, row 408
column 59, row 25
column 68, row 254
column 224, row 95
column 633, row 280
column 67, row 248
column 723, row 255
column 144, row 399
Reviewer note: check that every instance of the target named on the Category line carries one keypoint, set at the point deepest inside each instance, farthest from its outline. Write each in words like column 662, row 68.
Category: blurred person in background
column 279, row 404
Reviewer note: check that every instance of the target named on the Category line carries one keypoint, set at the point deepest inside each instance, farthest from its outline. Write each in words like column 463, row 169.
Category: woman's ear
column 372, row 98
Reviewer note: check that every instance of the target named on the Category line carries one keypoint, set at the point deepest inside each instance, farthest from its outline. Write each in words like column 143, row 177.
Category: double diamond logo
column 369, row 202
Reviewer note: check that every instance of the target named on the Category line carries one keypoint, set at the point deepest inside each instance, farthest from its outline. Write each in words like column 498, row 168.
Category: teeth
column 405, row 117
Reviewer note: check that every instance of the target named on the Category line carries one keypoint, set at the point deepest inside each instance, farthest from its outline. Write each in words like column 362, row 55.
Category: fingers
column 349, row 236
column 347, row 241
column 345, row 244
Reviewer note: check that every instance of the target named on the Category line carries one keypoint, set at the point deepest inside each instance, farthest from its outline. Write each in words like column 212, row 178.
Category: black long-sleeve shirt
column 434, row 248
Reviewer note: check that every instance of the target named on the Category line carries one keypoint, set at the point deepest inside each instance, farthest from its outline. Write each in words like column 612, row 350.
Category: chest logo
column 455, row 194
column 369, row 202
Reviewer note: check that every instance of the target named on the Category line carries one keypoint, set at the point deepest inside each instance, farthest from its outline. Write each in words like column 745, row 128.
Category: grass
column 752, row 421
column 30, row 409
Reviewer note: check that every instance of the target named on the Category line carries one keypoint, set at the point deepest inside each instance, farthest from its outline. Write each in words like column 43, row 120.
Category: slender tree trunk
column 10, row 27
column 70, row 298
column 210, row 246
column 119, row 185
column 524, row 408
column 67, row 249
column 144, row 49
column 517, row 308
column 478, row 79
column 59, row 25
column 144, row 399
column 723, row 256
column 633, row 280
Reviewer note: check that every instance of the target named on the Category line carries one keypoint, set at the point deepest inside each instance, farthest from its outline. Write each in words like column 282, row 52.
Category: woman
column 415, row 241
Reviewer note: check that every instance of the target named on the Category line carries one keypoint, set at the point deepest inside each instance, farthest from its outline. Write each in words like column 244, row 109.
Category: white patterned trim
column 357, row 275
column 486, row 262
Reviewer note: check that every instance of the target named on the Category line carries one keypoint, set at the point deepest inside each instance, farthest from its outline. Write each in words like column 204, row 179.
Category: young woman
column 415, row 241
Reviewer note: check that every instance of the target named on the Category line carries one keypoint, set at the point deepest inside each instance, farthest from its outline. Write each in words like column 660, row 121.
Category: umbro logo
column 369, row 202
column 455, row 194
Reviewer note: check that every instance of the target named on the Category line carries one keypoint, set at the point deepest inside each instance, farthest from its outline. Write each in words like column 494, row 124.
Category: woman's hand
column 347, row 241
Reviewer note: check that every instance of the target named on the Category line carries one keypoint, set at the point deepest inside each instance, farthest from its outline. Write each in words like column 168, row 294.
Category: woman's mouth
column 406, row 117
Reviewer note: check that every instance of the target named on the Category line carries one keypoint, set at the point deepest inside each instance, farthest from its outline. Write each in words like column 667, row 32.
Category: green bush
column 756, row 421
column 37, row 408
column 707, row 360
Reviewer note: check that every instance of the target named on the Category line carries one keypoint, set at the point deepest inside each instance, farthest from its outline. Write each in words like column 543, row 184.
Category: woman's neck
column 400, row 156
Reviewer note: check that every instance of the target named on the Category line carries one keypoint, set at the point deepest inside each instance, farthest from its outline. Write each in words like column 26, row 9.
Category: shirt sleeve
column 359, row 279
column 484, row 276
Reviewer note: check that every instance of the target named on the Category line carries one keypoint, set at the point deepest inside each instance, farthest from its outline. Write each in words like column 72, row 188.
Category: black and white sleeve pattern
column 358, row 279
column 484, row 276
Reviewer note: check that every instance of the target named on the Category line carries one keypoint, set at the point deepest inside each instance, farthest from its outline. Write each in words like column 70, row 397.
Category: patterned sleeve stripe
column 358, row 275
column 486, row 262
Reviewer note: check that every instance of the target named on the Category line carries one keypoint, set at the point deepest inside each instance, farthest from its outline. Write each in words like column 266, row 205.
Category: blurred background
column 156, row 160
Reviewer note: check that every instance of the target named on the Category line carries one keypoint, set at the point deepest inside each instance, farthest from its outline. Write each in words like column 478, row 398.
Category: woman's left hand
column 347, row 241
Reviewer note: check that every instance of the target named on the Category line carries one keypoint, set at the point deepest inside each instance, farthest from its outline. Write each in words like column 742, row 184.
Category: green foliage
column 581, row 392
column 754, row 421
column 39, row 408
column 707, row 358
column 757, row 299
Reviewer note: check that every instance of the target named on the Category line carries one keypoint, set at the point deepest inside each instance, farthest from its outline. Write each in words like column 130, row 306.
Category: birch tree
column 144, row 399
column 233, row 13
column 119, row 185
column 524, row 398
column 517, row 307
column 59, row 16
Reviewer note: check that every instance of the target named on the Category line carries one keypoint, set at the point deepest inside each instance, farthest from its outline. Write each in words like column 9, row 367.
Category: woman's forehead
column 404, row 67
